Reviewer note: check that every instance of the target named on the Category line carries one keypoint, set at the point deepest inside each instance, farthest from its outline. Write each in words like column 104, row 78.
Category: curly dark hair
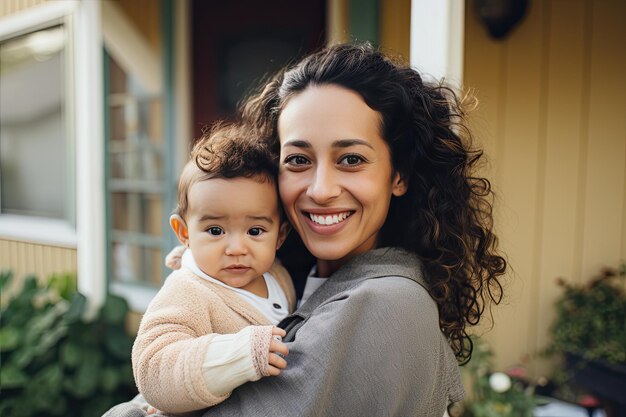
column 446, row 215
column 227, row 150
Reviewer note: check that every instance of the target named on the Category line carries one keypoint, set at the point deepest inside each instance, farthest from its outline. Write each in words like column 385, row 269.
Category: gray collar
column 376, row 263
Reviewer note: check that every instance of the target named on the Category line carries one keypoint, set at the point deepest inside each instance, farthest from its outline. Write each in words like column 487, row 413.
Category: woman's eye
column 296, row 160
column 255, row 231
column 215, row 231
column 352, row 160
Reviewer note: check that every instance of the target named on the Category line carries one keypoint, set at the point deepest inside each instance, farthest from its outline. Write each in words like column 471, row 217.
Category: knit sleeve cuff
column 260, row 349
column 234, row 359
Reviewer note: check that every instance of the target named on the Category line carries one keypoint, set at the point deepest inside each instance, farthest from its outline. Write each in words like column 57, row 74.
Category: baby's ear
column 180, row 228
column 283, row 231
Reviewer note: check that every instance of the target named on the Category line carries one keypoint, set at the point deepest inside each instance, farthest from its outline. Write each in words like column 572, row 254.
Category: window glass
column 34, row 142
column 138, row 197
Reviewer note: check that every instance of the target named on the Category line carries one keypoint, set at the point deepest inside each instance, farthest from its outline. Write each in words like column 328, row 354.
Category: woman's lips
column 329, row 219
column 327, row 223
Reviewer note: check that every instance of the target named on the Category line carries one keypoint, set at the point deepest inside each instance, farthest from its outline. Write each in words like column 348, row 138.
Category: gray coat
column 367, row 343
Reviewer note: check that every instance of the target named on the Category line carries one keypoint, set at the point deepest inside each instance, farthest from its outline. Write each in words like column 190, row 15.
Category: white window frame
column 85, row 105
column 437, row 36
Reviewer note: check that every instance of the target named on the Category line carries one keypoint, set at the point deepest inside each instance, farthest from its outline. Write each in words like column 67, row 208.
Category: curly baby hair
column 226, row 150
column 446, row 215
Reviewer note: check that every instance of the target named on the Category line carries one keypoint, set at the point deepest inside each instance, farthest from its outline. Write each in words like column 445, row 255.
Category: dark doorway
column 236, row 44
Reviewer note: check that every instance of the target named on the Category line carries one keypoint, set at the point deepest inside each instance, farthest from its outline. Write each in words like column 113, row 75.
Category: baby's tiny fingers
column 277, row 331
column 279, row 347
column 276, row 361
column 272, row 371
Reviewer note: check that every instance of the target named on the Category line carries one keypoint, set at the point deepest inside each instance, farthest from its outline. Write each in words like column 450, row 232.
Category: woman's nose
column 236, row 246
column 323, row 186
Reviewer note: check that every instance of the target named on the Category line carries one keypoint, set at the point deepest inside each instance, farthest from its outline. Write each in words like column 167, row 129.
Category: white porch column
column 437, row 36
column 89, row 133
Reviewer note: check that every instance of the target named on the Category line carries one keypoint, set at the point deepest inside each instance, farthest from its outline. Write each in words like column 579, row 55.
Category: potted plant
column 589, row 334
column 493, row 393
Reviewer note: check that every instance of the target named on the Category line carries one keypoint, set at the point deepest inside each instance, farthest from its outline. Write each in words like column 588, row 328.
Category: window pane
column 136, row 142
column 33, row 137
column 136, row 263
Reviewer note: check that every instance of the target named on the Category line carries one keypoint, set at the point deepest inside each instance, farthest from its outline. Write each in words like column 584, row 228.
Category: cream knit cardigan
column 175, row 332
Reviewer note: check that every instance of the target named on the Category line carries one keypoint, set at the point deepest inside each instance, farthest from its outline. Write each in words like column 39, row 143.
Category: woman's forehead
column 327, row 111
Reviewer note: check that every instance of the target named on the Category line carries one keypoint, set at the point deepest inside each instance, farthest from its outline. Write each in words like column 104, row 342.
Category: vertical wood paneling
column 556, row 250
column 624, row 219
column 395, row 26
column 40, row 260
column 552, row 107
column 604, row 211
column 517, row 180
column 485, row 69
column 8, row 7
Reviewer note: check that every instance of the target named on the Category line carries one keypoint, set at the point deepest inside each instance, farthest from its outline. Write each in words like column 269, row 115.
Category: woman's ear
column 399, row 186
column 283, row 231
column 180, row 228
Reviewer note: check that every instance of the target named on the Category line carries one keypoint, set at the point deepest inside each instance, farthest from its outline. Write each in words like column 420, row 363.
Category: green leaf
column 114, row 310
column 87, row 376
column 71, row 354
column 50, row 339
column 12, row 377
column 118, row 343
column 109, row 379
column 24, row 356
column 64, row 285
column 9, row 339
column 30, row 284
column 77, row 307
column 5, row 278
column 43, row 322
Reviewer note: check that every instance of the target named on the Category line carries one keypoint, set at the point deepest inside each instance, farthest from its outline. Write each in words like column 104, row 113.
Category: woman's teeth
column 327, row 220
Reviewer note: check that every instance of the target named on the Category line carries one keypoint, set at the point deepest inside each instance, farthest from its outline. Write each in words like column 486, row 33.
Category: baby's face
column 233, row 228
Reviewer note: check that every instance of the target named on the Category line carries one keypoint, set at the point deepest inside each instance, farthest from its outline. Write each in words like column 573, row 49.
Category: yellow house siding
column 395, row 26
column 552, row 120
column 606, row 138
column 25, row 258
column 8, row 7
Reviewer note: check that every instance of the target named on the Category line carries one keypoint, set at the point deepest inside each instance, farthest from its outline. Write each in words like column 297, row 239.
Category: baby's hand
column 278, row 351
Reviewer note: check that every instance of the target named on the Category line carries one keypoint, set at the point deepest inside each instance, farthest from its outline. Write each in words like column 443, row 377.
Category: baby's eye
column 351, row 160
column 296, row 160
column 215, row 231
column 256, row 231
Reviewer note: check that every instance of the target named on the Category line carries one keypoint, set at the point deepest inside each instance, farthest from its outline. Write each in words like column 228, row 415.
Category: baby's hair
column 226, row 150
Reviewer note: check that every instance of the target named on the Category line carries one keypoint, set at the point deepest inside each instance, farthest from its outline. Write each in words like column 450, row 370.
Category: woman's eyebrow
column 298, row 143
column 346, row 143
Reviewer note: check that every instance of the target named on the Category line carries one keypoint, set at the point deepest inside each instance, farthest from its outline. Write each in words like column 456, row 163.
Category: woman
column 377, row 178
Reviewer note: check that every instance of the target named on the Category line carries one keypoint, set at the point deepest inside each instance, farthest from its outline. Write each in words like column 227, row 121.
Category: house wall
column 8, row 7
column 395, row 26
column 24, row 258
column 552, row 119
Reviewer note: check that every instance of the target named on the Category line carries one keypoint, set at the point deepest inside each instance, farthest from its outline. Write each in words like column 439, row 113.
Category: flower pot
column 605, row 380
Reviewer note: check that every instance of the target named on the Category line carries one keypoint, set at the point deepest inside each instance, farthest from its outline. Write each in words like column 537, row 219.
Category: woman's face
column 336, row 179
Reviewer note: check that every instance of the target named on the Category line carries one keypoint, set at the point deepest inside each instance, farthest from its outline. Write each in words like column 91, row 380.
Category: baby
column 209, row 329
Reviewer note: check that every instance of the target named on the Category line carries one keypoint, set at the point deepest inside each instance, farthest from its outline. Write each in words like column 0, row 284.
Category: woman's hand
column 278, row 350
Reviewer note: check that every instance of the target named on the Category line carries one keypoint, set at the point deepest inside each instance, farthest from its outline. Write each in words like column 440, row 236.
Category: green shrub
column 591, row 319
column 54, row 361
